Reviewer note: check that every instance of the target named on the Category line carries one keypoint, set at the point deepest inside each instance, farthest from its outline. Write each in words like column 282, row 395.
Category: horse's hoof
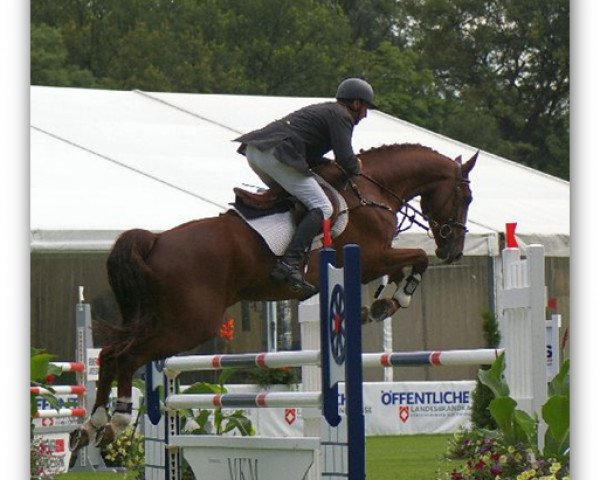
column 382, row 309
column 78, row 439
column 105, row 436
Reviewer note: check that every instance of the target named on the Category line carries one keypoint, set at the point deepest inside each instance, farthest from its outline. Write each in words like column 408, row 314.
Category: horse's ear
column 458, row 160
column 468, row 166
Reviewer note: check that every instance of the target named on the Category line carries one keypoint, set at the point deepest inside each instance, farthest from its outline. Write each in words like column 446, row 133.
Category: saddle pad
column 277, row 229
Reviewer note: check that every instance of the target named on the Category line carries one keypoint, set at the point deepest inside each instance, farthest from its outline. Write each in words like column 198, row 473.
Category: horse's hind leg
column 139, row 353
column 99, row 416
column 121, row 417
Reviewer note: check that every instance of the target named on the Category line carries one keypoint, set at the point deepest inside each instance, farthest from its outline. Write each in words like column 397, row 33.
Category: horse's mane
column 397, row 147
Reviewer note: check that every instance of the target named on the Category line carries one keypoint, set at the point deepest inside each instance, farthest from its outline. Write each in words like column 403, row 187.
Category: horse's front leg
column 405, row 268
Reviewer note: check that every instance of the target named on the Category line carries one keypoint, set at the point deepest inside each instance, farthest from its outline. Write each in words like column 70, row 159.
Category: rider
column 284, row 151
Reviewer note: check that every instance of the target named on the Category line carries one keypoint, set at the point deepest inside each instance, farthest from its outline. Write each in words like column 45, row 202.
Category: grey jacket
column 302, row 138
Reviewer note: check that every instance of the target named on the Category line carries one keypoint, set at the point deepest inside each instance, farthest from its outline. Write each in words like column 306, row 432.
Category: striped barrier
column 69, row 366
column 482, row 356
column 59, row 390
column 240, row 400
column 61, row 413
column 288, row 359
column 52, row 425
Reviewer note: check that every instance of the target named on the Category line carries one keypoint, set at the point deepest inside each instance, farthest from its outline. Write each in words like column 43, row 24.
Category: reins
column 403, row 205
column 410, row 215
column 403, row 208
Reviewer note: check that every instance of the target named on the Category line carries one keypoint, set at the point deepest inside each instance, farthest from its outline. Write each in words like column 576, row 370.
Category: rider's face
column 359, row 110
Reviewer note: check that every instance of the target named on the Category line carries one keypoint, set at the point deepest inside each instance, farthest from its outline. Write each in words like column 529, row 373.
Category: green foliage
column 198, row 421
column 49, row 63
column 482, row 395
column 42, row 462
column 40, row 370
column 555, row 413
column 467, row 443
column 520, row 428
column 504, row 70
column 512, row 451
column 127, row 451
column 490, row 459
column 274, row 376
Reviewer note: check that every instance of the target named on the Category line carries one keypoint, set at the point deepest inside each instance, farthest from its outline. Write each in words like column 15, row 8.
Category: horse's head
column 446, row 208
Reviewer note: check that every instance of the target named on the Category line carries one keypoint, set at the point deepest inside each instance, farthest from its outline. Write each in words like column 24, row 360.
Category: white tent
column 104, row 161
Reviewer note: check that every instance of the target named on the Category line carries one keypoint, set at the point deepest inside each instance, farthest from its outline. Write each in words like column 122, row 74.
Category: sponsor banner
column 417, row 407
column 92, row 367
column 72, row 401
column 56, row 447
column 391, row 408
column 64, row 401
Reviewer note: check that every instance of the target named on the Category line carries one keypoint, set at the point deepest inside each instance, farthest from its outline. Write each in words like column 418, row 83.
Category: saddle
column 277, row 200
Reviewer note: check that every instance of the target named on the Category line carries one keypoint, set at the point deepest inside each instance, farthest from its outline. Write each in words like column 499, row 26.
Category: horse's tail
column 131, row 280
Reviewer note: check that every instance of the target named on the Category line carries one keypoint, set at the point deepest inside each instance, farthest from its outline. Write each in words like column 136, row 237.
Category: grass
column 91, row 476
column 410, row 457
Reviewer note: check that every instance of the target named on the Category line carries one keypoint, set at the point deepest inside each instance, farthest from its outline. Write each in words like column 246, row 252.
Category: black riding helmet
column 353, row 88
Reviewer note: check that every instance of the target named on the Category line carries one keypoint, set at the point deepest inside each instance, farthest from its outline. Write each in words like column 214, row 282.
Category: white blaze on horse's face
column 447, row 212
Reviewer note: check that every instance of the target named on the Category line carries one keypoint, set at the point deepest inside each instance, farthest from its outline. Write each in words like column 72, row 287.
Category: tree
column 506, row 62
column 49, row 60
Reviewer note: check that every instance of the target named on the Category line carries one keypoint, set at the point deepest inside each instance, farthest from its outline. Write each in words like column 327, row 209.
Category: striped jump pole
column 241, row 400
column 60, row 413
column 69, row 366
column 482, row 356
column 59, row 390
column 244, row 360
column 300, row 358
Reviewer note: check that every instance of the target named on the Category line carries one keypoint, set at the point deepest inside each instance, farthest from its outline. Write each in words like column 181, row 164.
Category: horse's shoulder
column 331, row 173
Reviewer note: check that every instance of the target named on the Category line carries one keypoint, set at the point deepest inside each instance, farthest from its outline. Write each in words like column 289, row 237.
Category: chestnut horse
column 172, row 288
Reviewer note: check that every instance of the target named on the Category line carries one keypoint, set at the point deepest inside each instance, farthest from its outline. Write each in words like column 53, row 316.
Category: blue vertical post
column 330, row 392
column 354, row 379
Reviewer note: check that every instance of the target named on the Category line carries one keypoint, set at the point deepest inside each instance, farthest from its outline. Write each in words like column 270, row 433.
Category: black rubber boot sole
column 282, row 272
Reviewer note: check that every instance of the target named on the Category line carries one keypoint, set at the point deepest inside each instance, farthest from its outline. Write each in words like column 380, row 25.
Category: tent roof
column 104, row 161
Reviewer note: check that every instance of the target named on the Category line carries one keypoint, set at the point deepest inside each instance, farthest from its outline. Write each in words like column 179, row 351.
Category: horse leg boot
column 119, row 420
column 290, row 268
column 121, row 416
column 386, row 307
column 88, row 432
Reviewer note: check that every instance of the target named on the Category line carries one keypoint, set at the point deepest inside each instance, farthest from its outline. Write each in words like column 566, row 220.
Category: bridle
column 447, row 229
column 411, row 215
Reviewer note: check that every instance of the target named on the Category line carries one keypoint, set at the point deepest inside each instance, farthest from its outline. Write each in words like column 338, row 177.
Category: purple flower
column 496, row 470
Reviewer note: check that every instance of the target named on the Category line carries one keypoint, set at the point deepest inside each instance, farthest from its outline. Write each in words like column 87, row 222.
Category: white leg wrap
column 122, row 415
column 119, row 422
column 99, row 418
column 406, row 289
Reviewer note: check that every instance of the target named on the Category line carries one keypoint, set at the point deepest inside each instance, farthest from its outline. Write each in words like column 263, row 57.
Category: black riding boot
column 290, row 267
